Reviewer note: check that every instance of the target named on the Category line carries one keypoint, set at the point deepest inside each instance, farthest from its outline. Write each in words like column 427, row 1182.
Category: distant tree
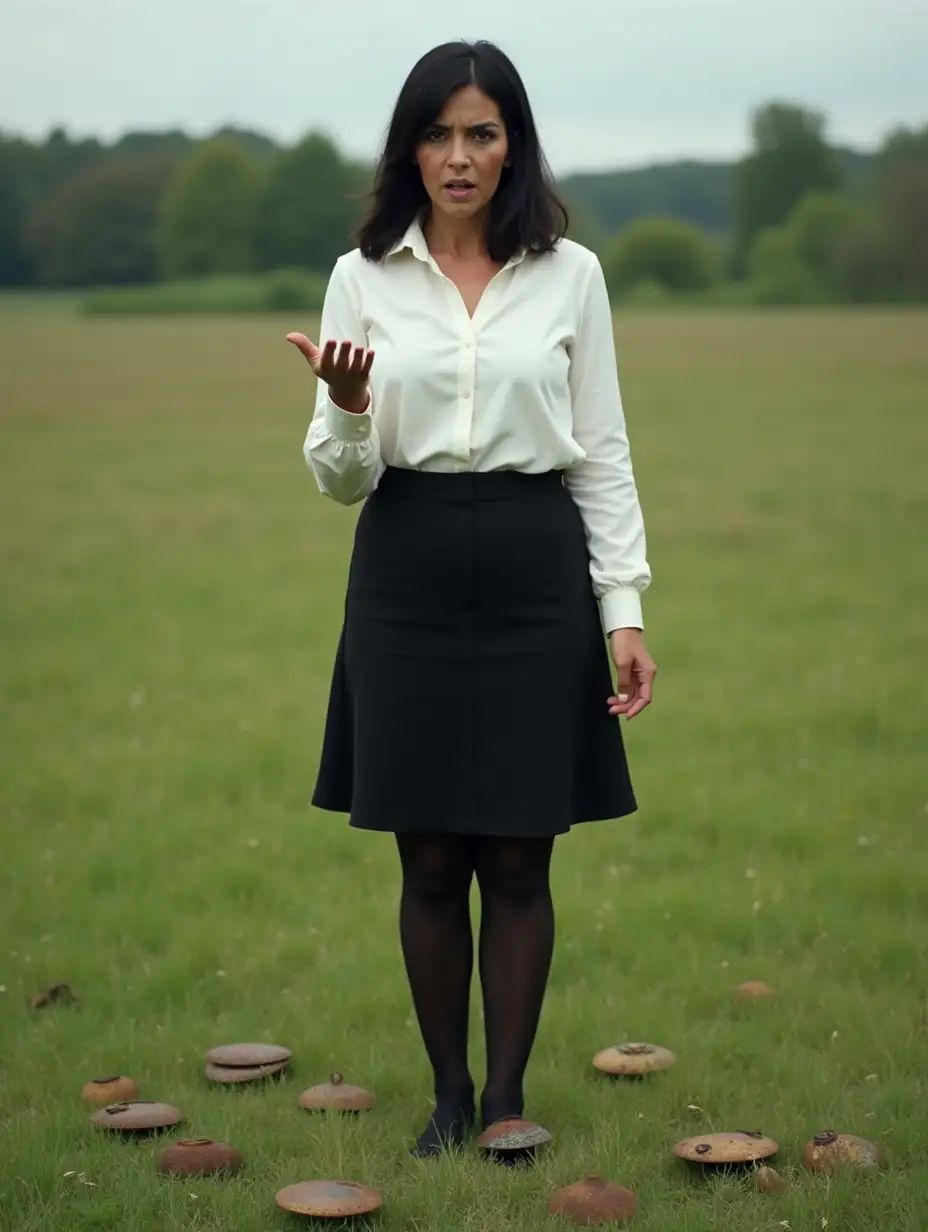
column 97, row 227
column 694, row 192
column 174, row 142
column 308, row 207
column 831, row 249
column 665, row 251
column 902, row 145
column 900, row 189
column 58, row 158
column 790, row 159
column 585, row 228
column 15, row 259
column 29, row 173
column 207, row 217
column 776, row 274
column 904, row 200
column 821, row 226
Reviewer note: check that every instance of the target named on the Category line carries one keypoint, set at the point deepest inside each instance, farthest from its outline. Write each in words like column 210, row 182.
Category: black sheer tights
column 515, row 947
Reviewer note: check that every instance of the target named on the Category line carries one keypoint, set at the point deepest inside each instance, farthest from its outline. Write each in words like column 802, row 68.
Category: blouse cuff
column 621, row 609
column 348, row 426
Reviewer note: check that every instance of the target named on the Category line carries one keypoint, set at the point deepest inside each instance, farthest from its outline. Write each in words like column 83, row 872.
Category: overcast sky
column 613, row 83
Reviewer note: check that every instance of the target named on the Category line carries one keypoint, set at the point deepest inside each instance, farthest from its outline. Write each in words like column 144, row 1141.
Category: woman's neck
column 463, row 238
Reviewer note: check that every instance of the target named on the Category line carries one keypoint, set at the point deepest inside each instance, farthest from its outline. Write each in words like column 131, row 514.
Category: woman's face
column 462, row 155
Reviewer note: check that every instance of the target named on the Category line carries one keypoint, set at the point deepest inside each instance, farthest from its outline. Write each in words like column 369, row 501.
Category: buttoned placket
column 468, row 334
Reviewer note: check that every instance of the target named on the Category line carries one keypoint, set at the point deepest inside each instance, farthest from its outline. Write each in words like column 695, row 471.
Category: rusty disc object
column 768, row 1181
column 753, row 990
column 513, row 1134
column 198, row 1157
column 115, row 1089
column 140, row 1114
column 594, row 1201
column 329, row 1199
column 742, row 1147
column 633, row 1060
column 243, row 1073
column 336, row 1095
column 248, row 1056
column 831, row 1152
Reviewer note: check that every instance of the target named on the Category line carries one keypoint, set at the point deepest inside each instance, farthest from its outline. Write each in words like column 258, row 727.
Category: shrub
column 666, row 251
column 278, row 291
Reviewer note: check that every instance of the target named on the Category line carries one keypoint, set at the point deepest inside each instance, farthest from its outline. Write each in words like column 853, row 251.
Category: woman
column 472, row 711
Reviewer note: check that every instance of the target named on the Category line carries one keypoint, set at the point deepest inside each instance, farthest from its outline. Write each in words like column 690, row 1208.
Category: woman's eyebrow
column 470, row 127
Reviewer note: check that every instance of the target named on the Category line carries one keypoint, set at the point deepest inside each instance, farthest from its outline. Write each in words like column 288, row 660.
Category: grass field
column 172, row 590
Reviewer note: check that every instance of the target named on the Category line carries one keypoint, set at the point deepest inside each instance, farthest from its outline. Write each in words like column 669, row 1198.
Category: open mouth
column 460, row 188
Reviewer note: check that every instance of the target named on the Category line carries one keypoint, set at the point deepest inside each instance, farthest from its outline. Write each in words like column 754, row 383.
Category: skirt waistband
column 469, row 485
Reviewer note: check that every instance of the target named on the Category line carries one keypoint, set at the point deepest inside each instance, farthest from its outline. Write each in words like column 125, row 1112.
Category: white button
column 469, row 345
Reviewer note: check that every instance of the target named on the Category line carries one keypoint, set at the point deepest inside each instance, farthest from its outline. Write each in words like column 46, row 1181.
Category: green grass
column 171, row 595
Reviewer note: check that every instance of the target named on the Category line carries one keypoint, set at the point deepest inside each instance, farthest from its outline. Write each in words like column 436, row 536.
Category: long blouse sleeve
column 342, row 449
column 603, row 484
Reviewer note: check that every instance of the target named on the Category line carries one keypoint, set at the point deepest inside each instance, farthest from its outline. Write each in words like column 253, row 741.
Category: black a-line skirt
column 471, row 679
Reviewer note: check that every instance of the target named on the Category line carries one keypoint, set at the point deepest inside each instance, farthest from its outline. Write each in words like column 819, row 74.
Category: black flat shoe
column 443, row 1134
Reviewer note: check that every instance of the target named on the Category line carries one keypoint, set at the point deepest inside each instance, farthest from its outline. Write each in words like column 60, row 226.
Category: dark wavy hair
column 525, row 210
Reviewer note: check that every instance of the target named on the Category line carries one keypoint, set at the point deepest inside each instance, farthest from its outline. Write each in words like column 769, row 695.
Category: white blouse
column 529, row 384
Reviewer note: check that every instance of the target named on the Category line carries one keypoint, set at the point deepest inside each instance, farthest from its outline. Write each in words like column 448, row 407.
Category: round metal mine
column 198, row 1157
column 329, row 1199
column 242, row 1073
column 833, row 1152
column 513, row 1134
column 248, row 1055
column 114, row 1089
column 594, row 1201
column 138, row 1115
column 721, row 1149
column 336, row 1095
column 632, row 1060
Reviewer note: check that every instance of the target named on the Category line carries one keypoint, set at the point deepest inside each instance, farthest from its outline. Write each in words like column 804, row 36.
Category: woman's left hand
column 635, row 671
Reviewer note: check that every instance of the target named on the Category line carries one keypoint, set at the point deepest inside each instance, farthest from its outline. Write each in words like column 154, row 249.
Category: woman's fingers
column 644, row 690
column 623, row 701
column 635, row 689
column 305, row 347
column 335, row 361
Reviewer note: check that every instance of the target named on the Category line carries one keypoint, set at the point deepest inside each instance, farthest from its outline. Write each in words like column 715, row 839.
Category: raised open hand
column 343, row 367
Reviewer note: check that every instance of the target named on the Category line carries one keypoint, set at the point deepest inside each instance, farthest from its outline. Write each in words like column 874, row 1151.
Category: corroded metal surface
column 199, row 1157
column 514, row 1134
column 741, row 1147
column 329, row 1199
column 137, row 1114
column 832, row 1152
column 248, row 1055
column 593, row 1201
column 243, row 1073
column 633, row 1059
column 336, row 1095
column 114, row 1089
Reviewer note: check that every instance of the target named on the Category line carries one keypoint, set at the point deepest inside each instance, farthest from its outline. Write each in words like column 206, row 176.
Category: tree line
column 808, row 224
column 795, row 220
